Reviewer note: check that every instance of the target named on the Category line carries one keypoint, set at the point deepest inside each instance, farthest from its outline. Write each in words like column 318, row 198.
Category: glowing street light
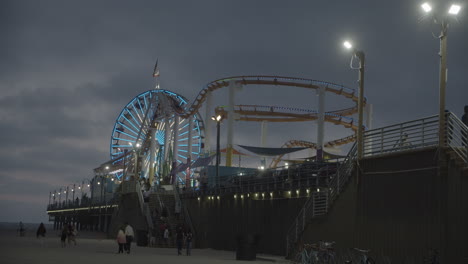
column 361, row 56
column 443, row 21
column 218, row 120
column 454, row 9
column 426, row 7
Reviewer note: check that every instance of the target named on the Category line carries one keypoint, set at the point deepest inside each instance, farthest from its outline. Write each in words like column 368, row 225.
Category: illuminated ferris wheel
column 151, row 138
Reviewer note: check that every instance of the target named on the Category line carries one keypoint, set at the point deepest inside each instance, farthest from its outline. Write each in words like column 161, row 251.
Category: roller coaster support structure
column 189, row 154
column 175, row 147
column 320, row 122
column 208, row 122
column 153, row 147
column 263, row 141
column 233, row 86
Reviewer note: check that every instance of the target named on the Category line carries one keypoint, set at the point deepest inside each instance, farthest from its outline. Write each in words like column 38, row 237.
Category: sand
column 30, row 250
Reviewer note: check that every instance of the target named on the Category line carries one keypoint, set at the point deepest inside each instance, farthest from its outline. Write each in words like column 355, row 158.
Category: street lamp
column 218, row 119
column 442, row 20
column 361, row 56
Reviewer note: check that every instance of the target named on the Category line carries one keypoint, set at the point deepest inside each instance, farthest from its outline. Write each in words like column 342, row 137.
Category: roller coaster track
column 258, row 113
column 276, row 81
column 307, row 144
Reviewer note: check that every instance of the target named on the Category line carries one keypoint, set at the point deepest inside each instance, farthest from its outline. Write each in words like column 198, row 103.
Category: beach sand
column 30, row 250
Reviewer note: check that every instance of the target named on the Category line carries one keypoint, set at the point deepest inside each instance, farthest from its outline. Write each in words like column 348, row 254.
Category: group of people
column 125, row 237
column 182, row 236
column 68, row 232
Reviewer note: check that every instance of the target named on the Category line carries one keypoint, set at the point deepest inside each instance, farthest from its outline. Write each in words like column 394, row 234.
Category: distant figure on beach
column 121, row 240
column 188, row 242
column 179, row 239
column 63, row 236
column 41, row 231
column 129, row 234
column 71, row 234
column 21, row 229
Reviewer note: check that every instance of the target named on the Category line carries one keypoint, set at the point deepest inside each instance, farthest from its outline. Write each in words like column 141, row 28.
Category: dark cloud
column 69, row 67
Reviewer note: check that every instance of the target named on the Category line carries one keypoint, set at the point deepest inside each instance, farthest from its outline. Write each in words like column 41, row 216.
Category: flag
column 156, row 70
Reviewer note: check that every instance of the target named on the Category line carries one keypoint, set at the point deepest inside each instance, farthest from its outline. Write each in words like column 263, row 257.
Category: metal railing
column 415, row 134
column 319, row 202
column 457, row 137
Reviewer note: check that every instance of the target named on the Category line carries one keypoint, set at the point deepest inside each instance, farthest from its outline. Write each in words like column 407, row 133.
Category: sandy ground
column 29, row 249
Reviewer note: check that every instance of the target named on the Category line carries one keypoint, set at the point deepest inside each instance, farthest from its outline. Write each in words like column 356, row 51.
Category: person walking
column 188, row 242
column 71, row 234
column 166, row 236
column 129, row 234
column 121, row 240
column 63, row 236
column 179, row 239
column 21, row 229
column 41, row 231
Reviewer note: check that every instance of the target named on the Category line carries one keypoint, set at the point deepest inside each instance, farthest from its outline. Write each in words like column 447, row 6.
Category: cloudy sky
column 67, row 68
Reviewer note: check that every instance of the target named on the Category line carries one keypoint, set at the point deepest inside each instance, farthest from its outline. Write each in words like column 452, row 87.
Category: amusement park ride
column 159, row 136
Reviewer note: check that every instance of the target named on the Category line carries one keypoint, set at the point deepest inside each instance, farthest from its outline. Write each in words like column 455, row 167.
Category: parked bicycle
column 364, row 259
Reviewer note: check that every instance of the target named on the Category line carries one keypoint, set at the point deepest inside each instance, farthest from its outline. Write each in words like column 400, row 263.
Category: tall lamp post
column 362, row 58
column 443, row 22
column 218, row 119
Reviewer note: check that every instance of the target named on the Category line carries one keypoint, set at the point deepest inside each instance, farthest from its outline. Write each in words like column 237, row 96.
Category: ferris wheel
column 151, row 137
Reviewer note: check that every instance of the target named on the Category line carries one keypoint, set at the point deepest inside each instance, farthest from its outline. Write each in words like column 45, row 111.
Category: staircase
column 157, row 201
column 320, row 201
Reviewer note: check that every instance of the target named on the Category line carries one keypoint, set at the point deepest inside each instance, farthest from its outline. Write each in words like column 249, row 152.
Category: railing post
column 381, row 140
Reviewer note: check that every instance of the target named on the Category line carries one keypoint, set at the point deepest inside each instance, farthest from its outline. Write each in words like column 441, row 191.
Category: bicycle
column 326, row 252
column 308, row 254
column 363, row 256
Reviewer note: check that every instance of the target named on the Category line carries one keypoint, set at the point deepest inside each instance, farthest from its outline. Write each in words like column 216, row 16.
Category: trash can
column 142, row 238
column 246, row 247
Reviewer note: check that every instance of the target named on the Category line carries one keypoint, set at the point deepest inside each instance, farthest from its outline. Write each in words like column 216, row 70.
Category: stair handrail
column 336, row 184
column 187, row 218
column 457, row 136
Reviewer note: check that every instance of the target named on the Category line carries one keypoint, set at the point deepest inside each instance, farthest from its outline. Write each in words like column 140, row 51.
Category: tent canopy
column 270, row 151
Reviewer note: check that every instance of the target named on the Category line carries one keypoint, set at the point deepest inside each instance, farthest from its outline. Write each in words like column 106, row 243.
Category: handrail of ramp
column 457, row 137
column 320, row 200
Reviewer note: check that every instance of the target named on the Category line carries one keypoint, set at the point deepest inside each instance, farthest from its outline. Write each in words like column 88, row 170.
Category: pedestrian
column 63, row 236
column 21, row 229
column 179, row 239
column 121, row 240
column 40, row 234
column 71, row 234
column 188, row 242
column 177, row 209
column 129, row 234
column 166, row 236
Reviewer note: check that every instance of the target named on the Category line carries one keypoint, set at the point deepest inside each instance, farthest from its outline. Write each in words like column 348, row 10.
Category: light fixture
column 347, row 44
column 271, row 194
column 216, row 118
column 198, row 198
column 138, row 145
column 217, row 197
column 98, row 183
column 289, row 192
column 426, row 7
column 318, row 190
column 297, row 191
column 235, row 196
column 307, row 191
column 454, row 9
column 242, row 196
column 107, row 167
column 88, row 185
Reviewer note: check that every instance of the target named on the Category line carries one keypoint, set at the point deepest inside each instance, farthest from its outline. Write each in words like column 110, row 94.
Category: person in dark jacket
column 41, row 231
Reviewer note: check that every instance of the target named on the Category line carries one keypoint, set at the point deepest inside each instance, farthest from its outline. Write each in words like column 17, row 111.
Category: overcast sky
column 67, row 68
